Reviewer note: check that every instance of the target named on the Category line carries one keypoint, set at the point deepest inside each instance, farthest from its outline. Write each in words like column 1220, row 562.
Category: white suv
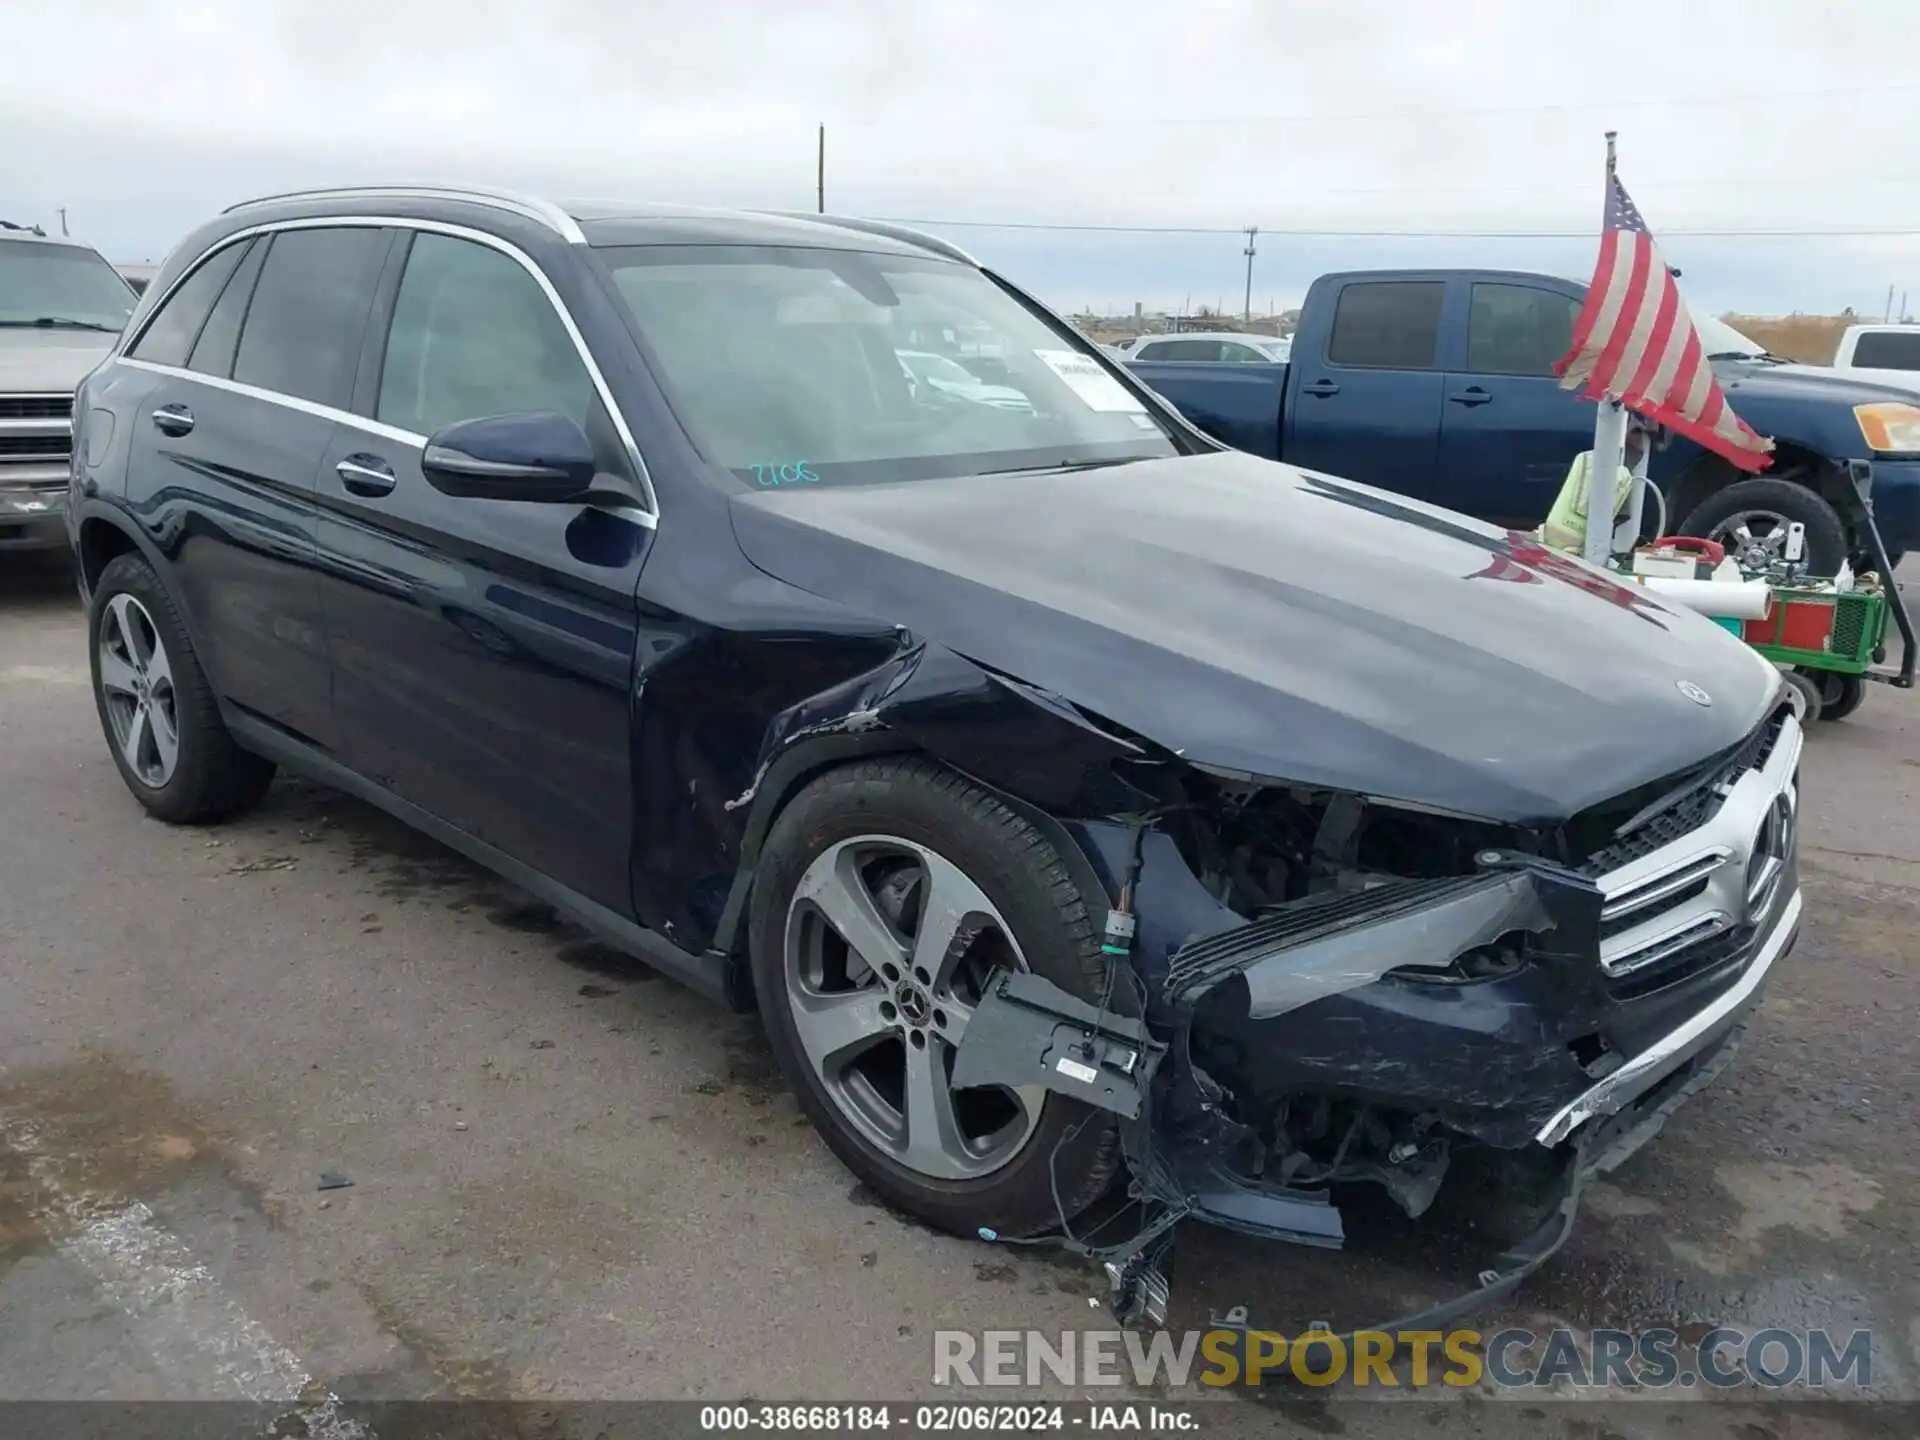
column 1215, row 346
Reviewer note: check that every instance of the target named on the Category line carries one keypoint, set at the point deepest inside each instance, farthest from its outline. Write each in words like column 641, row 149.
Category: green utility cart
column 1830, row 642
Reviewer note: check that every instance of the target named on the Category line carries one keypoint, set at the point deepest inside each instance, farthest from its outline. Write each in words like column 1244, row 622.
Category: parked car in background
column 61, row 308
column 1069, row 792
column 1199, row 347
column 951, row 377
column 1885, row 354
column 1438, row 384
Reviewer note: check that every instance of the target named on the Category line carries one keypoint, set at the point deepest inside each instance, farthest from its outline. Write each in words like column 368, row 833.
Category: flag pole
column 1609, row 445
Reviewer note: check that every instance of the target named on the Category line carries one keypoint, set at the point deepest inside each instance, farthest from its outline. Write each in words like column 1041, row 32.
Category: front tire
column 886, row 893
column 156, row 707
column 1750, row 518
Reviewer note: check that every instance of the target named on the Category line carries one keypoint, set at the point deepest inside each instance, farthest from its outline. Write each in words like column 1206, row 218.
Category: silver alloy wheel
column 887, row 946
column 136, row 683
column 1756, row 538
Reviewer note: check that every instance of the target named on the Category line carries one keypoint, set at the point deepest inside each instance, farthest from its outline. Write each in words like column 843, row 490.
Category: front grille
column 1685, row 878
column 51, row 448
column 1711, row 952
column 36, row 407
column 1694, row 801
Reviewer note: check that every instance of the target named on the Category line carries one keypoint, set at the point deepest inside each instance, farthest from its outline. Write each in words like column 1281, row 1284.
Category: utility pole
column 63, row 222
column 1246, row 313
column 1888, row 314
column 820, row 172
column 1903, row 307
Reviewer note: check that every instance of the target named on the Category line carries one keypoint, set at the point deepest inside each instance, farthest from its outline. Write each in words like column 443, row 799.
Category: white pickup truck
column 1884, row 354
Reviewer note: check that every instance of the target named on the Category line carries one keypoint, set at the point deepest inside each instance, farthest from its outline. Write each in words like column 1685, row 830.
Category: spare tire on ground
column 1750, row 518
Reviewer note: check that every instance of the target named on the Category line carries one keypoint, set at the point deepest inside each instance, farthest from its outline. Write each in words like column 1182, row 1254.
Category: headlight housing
column 1889, row 426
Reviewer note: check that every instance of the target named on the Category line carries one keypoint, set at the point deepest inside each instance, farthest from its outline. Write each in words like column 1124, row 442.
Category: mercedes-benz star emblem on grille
column 1693, row 692
column 1771, row 846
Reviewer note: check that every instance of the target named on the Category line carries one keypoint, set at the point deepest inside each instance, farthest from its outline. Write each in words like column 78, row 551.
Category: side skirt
column 703, row 973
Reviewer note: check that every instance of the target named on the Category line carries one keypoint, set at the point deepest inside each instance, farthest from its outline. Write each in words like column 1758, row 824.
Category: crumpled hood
column 49, row 362
column 1259, row 618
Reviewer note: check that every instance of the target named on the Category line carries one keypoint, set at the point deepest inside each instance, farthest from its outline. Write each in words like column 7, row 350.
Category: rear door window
column 302, row 332
column 1241, row 354
column 169, row 337
column 1884, row 350
column 1387, row 325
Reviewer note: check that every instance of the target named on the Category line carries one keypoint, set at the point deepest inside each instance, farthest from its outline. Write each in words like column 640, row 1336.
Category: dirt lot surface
column 573, row 1180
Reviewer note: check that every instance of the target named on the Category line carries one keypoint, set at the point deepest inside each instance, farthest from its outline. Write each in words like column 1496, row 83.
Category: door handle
column 1322, row 388
column 173, row 419
column 366, row 475
column 1472, row 395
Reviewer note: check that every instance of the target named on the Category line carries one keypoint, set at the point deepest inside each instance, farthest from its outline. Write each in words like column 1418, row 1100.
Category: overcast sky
column 143, row 116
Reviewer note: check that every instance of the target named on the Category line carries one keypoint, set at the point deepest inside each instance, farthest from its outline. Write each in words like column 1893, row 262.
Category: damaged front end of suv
column 1435, row 871
column 1334, row 993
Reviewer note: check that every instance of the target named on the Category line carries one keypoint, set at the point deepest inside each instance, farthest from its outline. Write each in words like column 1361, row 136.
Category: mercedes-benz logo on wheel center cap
column 1693, row 692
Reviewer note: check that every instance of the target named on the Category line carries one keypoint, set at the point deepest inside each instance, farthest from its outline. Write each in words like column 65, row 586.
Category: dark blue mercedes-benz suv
column 1079, row 802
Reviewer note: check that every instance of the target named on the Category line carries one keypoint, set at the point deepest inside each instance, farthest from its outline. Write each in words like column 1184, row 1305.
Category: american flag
column 1635, row 342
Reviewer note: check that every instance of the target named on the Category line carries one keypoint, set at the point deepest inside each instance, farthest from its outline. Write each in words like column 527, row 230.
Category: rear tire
column 1841, row 695
column 862, row 849
column 1749, row 518
column 156, row 707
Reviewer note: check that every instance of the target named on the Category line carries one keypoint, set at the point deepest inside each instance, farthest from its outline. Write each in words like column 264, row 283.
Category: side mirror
column 542, row 457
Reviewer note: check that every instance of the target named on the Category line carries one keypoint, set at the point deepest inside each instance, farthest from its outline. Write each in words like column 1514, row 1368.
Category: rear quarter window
column 303, row 329
column 169, row 337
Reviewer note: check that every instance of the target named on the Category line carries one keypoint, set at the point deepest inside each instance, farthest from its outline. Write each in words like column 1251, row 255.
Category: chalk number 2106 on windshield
column 798, row 473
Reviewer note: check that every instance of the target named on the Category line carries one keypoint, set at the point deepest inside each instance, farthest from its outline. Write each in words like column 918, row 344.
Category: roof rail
column 530, row 207
column 903, row 233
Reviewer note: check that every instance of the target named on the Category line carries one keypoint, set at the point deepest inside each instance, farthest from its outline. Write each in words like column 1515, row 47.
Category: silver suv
column 61, row 309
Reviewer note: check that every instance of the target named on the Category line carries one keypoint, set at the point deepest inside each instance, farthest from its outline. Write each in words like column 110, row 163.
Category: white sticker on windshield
column 1096, row 388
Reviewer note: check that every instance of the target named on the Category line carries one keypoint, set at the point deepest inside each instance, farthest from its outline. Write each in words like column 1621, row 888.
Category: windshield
column 1719, row 338
column 60, row 285
column 798, row 366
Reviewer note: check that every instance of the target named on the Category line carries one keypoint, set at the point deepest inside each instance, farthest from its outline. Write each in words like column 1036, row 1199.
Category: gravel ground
column 573, row 1180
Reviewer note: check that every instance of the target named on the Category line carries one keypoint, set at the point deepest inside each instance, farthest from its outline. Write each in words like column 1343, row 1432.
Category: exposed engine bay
column 1321, row 997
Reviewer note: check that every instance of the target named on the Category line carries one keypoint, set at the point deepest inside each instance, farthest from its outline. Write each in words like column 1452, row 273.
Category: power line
column 1750, row 97
column 1342, row 234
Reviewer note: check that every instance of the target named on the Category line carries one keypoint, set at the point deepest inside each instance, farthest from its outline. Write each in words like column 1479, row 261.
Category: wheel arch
column 938, row 710
column 106, row 532
column 1794, row 460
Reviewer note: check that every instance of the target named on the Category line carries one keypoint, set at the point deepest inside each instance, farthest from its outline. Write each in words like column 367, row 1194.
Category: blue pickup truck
column 1438, row 384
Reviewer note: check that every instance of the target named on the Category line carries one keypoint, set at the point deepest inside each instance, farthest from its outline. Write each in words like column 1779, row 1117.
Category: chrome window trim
column 398, row 222
column 290, row 402
column 528, row 207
